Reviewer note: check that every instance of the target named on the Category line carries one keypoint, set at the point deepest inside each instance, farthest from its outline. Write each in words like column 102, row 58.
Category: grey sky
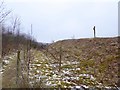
column 63, row 19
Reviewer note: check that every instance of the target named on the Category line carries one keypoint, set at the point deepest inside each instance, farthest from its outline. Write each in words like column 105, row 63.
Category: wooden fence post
column 94, row 31
column 17, row 68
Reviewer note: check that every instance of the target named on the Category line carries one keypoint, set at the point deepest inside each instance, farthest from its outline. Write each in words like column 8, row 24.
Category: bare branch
column 3, row 12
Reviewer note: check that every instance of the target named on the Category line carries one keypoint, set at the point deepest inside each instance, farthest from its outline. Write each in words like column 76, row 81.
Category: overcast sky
column 65, row 19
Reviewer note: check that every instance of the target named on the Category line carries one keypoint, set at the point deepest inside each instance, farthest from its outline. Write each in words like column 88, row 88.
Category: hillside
column 96, row 56
column 68, row 63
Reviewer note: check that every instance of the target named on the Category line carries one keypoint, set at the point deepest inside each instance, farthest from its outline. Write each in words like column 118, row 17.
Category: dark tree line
column 10, row 41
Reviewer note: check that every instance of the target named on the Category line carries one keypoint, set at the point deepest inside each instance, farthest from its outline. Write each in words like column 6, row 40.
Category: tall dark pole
column 29, row 54
column 18, row 58
column 118, row 59
column 94, row 32
column 1, row 54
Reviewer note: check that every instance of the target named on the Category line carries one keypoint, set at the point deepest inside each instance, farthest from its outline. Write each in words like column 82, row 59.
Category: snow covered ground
column 45, row 70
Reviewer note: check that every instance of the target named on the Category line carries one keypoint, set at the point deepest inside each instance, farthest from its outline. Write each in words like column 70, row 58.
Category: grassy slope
column 97, row 57
column 84, row 61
